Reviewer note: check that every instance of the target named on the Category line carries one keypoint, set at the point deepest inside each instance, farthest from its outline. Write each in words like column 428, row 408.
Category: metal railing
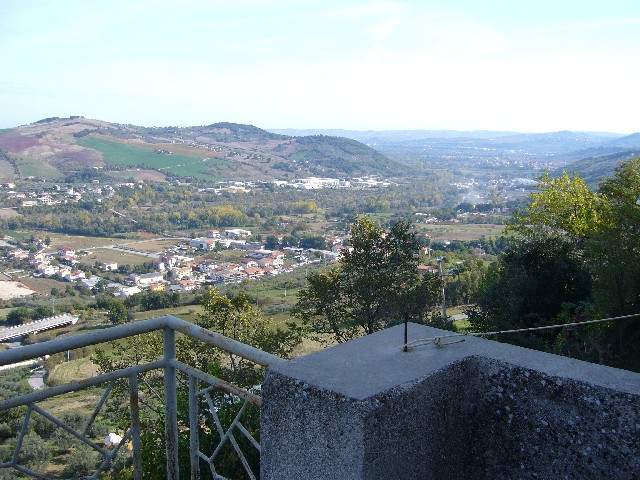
column 170, row 366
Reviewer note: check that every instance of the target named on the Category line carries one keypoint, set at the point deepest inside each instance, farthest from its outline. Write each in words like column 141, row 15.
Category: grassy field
column 29, row 166
column 137, row 174
column 457, row 231
column 462, row 325
column 72, row 371
column 104, row 255
column 120, row 154
column 7, row 171
column 188, row 313
column 83, row 401
column 153, row 245
column 44, row 285
column 77, row 242
column 18, row 235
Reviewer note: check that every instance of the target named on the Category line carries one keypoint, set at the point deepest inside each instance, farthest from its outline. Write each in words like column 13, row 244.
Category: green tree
column 563, row 204
column 271, row 242
column 100, row 287
column 577, row 256
column 535, row 278
column 614, row 254
column 376, row 284
column 236, row 317
column 82, row 462
column 313, row 241
column 19, row 315
column 42, row 311
column 617, row 244
column 465, row 286
column 118, row 311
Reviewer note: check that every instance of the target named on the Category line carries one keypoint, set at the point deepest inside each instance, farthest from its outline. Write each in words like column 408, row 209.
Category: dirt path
column 36, row 380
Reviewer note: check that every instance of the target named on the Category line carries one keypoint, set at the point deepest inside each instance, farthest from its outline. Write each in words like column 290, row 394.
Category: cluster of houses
column 315, row 183
column 257, row 262
column 174, row 271
column 65, row 269
column 255, row 265
column 177, row 273
column 61, row 194
column 308, row 183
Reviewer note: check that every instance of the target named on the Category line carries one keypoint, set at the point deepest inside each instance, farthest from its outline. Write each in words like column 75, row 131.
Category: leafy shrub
column 83, row 461
column 35, row 452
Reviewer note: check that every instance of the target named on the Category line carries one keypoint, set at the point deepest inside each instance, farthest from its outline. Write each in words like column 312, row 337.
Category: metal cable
column 437, row 341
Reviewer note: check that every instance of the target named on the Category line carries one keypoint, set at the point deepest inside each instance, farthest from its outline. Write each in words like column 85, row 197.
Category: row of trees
column 162, row 207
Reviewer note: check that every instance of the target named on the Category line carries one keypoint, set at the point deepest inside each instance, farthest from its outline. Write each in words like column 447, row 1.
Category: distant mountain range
column 58, row 148
column 554, row 143
column 590, row 154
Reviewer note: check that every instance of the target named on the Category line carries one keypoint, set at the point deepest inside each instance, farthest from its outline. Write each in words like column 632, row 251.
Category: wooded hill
column 594, row 169
column 58, row 147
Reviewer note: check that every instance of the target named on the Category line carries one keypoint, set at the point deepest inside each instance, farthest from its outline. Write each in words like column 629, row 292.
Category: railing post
column 171, row 404
column 194, row 427
column 135, row 426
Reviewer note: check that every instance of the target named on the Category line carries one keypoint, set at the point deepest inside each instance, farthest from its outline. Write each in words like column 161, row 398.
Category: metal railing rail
column 170, row 365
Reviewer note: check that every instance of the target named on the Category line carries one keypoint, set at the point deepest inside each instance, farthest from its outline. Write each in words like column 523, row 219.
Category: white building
column 237, row 233
column 147, row 278
column 206, row 244
column 128, row 291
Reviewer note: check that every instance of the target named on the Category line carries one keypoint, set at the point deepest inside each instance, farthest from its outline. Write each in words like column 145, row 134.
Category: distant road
column 19, row 364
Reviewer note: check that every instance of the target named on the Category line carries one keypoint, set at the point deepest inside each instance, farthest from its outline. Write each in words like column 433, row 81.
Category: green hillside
column 593, row 169
column 116, row 153
column 341, row 155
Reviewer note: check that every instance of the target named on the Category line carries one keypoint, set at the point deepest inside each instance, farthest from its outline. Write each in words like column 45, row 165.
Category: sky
column 529, row 66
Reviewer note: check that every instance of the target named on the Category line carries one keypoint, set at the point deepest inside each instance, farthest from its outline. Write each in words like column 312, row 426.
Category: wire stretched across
column 437, row 341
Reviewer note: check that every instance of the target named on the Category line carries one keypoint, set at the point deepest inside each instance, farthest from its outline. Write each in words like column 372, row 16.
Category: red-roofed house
column 65, row 251
column 253, row 272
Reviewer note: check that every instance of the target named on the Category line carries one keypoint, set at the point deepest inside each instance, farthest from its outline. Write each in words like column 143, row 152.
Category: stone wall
column 471, row 410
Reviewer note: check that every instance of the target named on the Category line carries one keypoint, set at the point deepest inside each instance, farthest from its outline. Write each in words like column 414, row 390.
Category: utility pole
column 441, row 275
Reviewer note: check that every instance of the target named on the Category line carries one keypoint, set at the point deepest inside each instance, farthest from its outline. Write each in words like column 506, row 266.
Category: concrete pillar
column 476, row 409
